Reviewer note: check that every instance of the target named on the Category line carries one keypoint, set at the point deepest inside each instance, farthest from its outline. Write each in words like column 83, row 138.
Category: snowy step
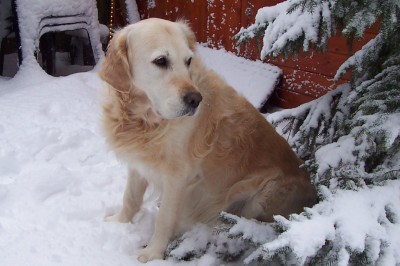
column 254, row 80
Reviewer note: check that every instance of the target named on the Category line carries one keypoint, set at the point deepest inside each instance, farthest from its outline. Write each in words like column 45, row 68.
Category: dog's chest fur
column 155, row 152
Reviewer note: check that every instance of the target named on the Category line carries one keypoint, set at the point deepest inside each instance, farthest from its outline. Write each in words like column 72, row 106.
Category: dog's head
column 154, row 56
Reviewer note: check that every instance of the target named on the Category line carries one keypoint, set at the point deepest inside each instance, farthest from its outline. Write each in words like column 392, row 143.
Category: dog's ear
column 115, row 69
column 188, row 33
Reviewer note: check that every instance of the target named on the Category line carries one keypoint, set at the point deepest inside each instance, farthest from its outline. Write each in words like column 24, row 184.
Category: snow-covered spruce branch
column 296, row 25
column 359, row 129
column 229, row 241
column 291, row 25
column 345, row 228
column 369, row 51
column 312, row 125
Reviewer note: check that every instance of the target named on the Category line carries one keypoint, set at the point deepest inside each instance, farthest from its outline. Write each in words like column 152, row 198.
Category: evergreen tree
column 349, row 140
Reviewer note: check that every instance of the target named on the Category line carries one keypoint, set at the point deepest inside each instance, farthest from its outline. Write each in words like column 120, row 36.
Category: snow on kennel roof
column 31, row 19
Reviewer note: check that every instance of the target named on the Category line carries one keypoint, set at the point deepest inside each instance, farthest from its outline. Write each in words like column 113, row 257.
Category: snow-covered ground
column 58, row 179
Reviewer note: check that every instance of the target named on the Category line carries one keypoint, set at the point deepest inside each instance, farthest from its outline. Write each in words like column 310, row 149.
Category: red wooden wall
column 215, row 22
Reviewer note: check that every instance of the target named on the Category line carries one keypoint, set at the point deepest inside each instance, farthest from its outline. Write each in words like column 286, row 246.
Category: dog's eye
column 161, row 61
column 189, row 61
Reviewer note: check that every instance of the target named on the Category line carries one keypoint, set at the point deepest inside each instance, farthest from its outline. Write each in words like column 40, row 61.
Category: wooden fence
column 215, row 22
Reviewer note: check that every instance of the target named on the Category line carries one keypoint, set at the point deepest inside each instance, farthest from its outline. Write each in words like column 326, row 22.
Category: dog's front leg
column 133, row 198
column 166, row 220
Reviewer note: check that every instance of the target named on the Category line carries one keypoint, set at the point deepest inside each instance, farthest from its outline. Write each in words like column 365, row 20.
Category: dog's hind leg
column 252, row 196
column 265, row 196
column 133, row 198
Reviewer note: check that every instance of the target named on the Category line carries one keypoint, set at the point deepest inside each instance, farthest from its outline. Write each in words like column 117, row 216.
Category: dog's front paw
column 117, row 218
column 149, row 254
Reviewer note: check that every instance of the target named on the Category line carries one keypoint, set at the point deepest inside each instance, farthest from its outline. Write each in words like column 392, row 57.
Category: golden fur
column 224, row 157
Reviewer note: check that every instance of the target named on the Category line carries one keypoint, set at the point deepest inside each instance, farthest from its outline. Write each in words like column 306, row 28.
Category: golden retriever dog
column 179, row 127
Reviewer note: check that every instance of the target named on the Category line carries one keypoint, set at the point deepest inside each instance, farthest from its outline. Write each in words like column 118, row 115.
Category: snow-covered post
column 132, row 11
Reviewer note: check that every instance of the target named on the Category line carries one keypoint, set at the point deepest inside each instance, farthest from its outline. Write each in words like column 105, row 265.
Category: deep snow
column 58, row 179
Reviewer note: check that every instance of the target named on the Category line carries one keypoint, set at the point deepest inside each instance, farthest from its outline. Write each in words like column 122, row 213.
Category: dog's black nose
column 192, row 99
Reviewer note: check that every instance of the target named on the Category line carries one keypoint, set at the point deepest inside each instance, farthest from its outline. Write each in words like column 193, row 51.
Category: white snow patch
column 354, row 220
column 331, row 155
column 254, row 80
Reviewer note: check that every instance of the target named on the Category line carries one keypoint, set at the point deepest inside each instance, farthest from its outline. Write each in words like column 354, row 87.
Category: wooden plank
column 194, row 12
column 307, row 83
column 288, row 99
column 223, row 21
column 339, row 44
column 325, row 64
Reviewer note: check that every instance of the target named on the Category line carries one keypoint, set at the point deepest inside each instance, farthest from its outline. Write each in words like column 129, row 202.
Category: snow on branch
column 357, row 61
column 351, row 136
column 314, row 124
column 359, row 224
column 291, row 23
